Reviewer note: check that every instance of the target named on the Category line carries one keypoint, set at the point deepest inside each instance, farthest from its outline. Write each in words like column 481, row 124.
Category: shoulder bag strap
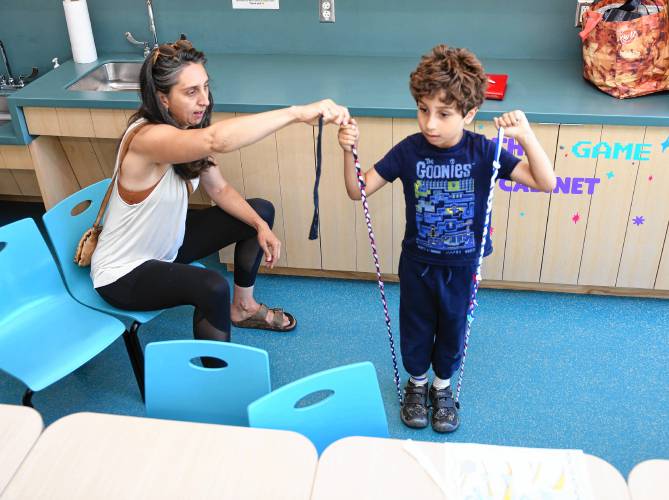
column 122, row 151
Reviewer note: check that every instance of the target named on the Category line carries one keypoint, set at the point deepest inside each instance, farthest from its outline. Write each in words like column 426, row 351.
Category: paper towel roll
column 80, row 31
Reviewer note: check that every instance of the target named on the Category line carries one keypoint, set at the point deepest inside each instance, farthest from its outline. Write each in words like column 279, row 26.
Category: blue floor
column 544, row 369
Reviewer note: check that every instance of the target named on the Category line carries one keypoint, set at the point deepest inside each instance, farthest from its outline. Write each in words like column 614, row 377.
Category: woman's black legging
column 158, row 285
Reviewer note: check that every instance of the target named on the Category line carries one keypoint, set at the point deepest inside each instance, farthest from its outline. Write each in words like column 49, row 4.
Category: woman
column 142, row 258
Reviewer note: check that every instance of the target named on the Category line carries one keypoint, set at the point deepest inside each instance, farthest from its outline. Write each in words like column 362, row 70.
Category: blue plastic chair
column 179, row 389
column 353, row 408
column 44, row 333
column 65, row 230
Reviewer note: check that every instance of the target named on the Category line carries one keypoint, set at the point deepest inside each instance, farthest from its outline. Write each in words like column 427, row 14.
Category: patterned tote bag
column 625, row 52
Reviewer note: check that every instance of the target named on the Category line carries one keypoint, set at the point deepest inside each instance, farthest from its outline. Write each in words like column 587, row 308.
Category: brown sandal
column 258, row 320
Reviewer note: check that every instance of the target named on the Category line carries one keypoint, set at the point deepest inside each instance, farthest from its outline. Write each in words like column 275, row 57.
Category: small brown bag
column 88, row 242
column 84, row 252
column 86, row 246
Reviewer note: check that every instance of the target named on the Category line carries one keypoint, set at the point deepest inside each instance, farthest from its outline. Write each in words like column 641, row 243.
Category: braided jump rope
column 313, row 234
column 477, row 276
column 375, row 255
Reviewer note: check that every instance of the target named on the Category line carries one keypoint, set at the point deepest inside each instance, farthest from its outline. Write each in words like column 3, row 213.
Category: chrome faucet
column 152, row 24
column 9, row 80
column 152, row 28
column 9, row 83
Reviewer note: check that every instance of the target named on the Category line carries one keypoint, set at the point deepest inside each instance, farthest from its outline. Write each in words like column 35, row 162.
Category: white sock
column 421, row 380
column 438, row 383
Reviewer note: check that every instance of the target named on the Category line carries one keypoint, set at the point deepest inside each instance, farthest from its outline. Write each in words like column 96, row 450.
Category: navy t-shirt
column 446, row 192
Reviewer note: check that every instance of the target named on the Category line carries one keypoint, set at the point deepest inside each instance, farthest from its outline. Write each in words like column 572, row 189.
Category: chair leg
column 27, row 398
column 135, row 354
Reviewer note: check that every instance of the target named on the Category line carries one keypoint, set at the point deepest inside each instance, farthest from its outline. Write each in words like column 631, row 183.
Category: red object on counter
column 496, row 87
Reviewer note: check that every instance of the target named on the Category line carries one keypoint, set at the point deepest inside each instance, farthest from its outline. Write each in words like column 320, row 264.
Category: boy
column 445, row 171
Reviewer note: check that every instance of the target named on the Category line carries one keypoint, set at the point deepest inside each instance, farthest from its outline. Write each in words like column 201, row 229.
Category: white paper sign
column 255, row 4
column 492, row 472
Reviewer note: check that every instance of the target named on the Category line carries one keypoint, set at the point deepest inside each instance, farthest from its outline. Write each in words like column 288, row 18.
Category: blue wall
column 34, row 31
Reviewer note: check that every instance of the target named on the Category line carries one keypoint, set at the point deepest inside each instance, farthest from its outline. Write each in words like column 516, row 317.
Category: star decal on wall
column 638, row 220
column 650, row 178
column 610, row 174
column 665, row 144
column 576, row 217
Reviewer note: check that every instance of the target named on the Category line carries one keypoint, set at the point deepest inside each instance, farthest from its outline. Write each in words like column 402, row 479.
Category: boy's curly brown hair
column 456, row 72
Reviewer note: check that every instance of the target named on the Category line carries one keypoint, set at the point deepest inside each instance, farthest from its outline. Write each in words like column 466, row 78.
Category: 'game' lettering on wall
column 631, row 151
column 639, row 151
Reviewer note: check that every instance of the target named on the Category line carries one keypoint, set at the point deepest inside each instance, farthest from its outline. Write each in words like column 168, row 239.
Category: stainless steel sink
column 110, row 77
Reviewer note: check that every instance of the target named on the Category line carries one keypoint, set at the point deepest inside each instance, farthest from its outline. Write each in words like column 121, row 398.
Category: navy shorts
column 433, row 315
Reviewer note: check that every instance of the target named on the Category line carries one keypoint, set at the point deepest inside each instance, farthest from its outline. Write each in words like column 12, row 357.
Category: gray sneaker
column 414, row 408
column 444, row 410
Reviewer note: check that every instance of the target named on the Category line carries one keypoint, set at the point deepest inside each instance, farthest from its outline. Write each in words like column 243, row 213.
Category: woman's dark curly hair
column 159, row 73
column 456, row 72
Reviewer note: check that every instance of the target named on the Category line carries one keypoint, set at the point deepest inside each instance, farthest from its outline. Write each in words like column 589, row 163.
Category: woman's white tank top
column 134, row 234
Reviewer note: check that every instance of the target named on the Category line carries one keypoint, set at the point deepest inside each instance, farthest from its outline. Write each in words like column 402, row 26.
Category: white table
column 96, row 456
column 649, row 480
column 374, row 468
column 20, row 427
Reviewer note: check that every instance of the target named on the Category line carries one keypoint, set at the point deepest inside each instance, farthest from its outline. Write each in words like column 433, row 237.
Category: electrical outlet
column 581, row 7
column 326, row 11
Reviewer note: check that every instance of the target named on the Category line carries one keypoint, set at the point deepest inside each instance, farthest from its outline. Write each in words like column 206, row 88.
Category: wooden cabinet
column 17, row 175
column 603, row 229
column 77, row 122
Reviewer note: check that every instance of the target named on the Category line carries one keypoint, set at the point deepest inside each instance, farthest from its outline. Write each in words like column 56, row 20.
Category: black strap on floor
column 313, row 232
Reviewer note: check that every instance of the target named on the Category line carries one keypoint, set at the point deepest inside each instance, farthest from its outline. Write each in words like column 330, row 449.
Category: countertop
column 549, row 91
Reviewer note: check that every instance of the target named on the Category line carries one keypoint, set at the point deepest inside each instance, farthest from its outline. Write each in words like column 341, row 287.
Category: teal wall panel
column 34, row 31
